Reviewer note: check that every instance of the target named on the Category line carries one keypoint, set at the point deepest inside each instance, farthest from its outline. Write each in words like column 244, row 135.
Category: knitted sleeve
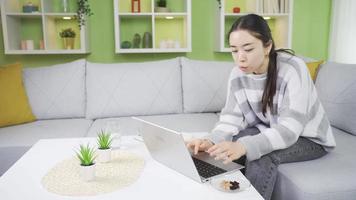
column 291, row 117
column 231, row 119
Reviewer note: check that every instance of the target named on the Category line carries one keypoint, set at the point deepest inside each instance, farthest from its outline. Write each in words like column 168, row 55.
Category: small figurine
column 136, row 41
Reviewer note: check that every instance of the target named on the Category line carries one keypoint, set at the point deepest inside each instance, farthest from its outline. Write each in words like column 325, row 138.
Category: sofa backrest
column 126, row 89
column 336, row 86
column 56, row 91
column 204, row 85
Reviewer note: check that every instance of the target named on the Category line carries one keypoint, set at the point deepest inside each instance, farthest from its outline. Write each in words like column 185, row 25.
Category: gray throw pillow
column 336, row 86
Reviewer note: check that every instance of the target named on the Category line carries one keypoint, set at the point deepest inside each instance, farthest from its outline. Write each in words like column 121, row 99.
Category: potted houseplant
column 68, row 36
column 104, row 141
column 86, row 156
column 219, row 3
column 83, row 12
column 162, row 6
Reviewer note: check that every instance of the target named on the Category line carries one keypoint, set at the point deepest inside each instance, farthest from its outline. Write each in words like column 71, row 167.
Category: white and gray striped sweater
column 299, row 111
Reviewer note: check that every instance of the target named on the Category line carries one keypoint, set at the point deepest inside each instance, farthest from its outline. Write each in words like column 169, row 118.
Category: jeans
column 262, row 173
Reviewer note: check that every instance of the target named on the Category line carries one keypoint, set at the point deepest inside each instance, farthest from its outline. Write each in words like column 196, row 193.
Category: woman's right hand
column 197, row 145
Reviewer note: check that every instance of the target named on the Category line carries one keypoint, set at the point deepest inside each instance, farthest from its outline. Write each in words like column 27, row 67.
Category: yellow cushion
column 313, row 68
column 14, row 106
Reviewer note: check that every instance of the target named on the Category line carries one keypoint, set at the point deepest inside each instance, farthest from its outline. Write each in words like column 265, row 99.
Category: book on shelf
column 274, row 6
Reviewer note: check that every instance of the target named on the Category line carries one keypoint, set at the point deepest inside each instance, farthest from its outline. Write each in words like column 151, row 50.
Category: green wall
column 311, row 25
column 310, row 35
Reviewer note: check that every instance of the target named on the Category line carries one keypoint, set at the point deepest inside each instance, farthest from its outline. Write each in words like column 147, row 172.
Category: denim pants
column 262, row 173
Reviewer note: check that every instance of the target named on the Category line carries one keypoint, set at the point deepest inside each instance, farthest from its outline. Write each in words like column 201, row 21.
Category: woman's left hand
column 227, row 151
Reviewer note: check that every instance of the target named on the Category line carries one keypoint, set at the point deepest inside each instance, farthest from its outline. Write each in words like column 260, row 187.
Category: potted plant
column 162, row 6
column 86, row 156
column 219, row 3
column 104, row 141
column 83, row 11
column 68, row 36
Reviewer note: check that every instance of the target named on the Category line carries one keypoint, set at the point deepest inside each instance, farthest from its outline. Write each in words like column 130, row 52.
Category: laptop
column 168, row 148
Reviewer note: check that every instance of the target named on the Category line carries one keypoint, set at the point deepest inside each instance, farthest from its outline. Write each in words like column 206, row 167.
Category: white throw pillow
column 204, row 85
column 56, row 91
column 126, row 89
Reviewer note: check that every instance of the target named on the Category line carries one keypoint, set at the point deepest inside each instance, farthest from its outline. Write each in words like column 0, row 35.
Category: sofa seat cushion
column 28, row 134
column 126, row 89
column 330, row 177
column 203, row 122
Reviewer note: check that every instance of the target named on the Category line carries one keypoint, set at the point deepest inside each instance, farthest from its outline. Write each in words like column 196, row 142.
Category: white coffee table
column 23, row 179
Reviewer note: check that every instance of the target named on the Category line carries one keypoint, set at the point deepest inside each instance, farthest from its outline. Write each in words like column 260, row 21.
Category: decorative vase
column 136, row 41
column 104, row 155
column 87, row 173
column 68, row 43
column 147, row 40
column 125, row 45
column 65, row 6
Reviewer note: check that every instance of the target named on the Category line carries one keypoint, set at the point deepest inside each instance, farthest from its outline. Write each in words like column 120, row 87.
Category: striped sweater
column 299, row 111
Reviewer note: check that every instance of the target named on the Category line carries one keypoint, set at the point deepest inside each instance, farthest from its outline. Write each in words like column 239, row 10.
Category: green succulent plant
column 67, row 33
column 161, row 3
column 86, row 155
column 104, row 140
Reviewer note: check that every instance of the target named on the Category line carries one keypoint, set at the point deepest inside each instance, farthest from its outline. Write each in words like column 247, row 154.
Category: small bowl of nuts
column 234, row 182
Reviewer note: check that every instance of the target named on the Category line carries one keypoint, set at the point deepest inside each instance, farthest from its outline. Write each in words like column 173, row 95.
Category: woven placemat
column 123, row 170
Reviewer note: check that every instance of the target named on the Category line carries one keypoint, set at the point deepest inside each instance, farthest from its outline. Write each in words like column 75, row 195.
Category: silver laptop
column 168, row 147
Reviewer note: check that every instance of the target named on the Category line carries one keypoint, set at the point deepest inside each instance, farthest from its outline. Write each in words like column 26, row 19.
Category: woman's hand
column 197, row 145
column 228, row 151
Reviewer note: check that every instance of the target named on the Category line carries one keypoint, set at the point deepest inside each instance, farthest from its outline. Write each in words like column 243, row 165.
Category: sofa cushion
column 125, row 89
column 329, row 177
column 30, row 133
column 336, row 85
column 192, row 123
column 313, row 68
column 57, row 91
column 204, row 85
column 14, row 106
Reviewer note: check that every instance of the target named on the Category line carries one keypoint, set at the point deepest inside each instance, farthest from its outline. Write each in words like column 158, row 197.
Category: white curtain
column 342, row 39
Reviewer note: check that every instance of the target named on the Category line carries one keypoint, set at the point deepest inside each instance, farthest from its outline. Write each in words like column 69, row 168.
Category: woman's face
column 248, row 52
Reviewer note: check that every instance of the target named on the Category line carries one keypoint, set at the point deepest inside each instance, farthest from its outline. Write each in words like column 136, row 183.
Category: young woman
column 272, row 113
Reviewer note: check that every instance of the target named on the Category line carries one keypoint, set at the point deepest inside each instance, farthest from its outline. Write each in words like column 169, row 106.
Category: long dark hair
column 259, row 28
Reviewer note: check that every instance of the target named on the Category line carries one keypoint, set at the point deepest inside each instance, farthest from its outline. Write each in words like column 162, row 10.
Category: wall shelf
column 42, row 27
column 170, row 31
column 278, row 12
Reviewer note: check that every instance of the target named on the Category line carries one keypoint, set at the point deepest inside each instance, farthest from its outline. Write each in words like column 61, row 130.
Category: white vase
column 65, row 6
column 104, row 155
column 87, row 173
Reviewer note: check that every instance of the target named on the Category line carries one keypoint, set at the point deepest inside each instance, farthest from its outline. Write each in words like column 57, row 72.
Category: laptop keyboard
column 207, row 170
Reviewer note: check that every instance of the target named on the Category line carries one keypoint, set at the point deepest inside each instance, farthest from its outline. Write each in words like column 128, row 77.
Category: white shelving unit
column 42, row 26
column 278, row 13
column 170, row 31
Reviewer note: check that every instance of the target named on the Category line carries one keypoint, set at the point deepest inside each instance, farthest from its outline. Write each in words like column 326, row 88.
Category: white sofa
column 75, row 99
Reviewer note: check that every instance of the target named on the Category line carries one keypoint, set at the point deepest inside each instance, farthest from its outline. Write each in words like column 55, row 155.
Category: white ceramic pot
column 104, row 155
column 162, row 9
column 87, row 173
